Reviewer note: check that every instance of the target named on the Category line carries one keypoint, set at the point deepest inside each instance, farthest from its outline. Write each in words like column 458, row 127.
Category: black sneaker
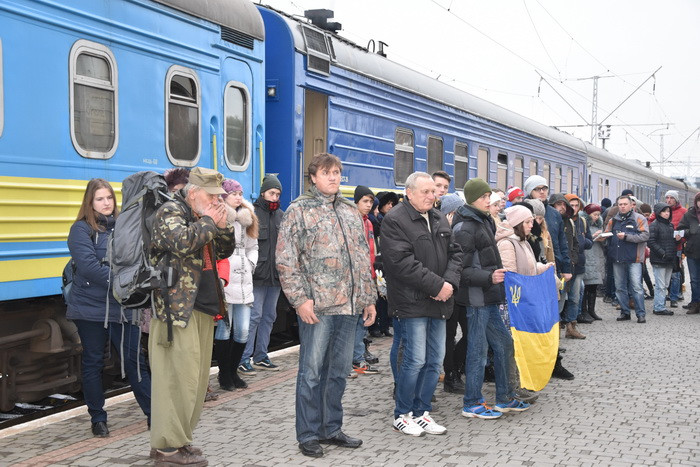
column 674, row 304
column 663, row 313
column 641, row 320
column 623, row 318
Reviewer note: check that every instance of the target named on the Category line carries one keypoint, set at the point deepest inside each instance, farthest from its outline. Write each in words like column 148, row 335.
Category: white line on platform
column 57, row 417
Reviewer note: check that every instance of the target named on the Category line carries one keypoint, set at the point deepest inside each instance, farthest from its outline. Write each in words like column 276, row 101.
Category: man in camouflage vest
column 189, row 234
column 324, row 269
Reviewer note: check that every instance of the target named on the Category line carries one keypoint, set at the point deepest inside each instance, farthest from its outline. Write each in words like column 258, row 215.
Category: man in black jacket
column 421, row 266
column 481, row 291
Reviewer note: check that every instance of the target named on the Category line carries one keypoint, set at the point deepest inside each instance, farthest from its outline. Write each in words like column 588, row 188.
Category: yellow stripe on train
column 40, row 209
column 28, row 269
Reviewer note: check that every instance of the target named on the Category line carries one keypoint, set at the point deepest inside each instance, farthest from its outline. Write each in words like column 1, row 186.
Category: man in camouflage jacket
column 189, row 234
column 324, row 269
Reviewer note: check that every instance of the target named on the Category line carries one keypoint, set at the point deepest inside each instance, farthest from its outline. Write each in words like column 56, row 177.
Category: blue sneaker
column 266, row 364
column 245, row 368
column 480, row 411
column 513, row 406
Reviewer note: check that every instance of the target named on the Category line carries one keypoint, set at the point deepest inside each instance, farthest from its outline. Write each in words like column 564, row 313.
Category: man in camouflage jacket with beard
column 189, row 234
column 325, row 272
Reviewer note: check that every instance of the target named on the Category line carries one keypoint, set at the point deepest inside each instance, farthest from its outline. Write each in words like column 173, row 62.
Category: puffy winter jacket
column 556, row 232
column 244, row 258
column 475, row 233
column 689, row 223
column 595, row 257
column 662, row 245
column 632, row 248
column 418, row 261
column 91, row 287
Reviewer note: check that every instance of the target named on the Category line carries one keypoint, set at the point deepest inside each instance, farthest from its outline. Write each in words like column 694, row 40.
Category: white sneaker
column 407, row 426
column 428, row 424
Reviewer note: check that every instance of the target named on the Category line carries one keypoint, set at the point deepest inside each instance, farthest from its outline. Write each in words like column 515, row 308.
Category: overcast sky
column 495, row 49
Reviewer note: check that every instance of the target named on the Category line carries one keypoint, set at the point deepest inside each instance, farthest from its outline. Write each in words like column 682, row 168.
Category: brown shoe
column 183, row 456
column 693, row 308
column 572, row 332
column 193, row 449
column 210, row 395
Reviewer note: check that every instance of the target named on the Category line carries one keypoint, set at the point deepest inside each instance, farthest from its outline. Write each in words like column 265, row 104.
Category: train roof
column 240, row 15
column 626, row 164
column 358, row 59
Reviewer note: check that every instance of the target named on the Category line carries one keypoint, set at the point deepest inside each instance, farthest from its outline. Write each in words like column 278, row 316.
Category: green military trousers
column 179, row 378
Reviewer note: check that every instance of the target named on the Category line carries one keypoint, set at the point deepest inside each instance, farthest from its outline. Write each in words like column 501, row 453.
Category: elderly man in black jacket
column 421, row 266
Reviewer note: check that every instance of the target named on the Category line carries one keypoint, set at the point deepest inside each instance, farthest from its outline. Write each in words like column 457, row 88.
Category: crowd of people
column 413, row 267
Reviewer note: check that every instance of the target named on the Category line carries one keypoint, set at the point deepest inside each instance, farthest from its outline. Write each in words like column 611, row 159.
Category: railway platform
column 634, row 401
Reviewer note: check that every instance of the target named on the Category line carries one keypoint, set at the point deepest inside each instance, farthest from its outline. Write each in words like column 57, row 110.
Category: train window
column 237, row 127
column 570, row 181
column 482, row 164
column 547, row 174
column 403, row 155
column 2, row 103
column 182, row 116
column 435, row 154
column 518, row 176
column 533, row 167
column 93, row 100
column 502, row 174
column 557, row 180
column 461, row 165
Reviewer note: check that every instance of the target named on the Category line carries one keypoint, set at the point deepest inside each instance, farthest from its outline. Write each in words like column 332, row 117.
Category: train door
column 235, row 152
column 315, row 129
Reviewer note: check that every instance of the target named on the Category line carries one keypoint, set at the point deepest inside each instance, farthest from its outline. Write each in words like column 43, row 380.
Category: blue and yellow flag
column 534, row 324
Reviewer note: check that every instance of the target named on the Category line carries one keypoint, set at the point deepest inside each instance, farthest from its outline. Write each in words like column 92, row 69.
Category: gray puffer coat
column 244, row 258
column 595, row 256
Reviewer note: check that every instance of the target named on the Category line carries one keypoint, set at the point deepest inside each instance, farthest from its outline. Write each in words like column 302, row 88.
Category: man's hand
column 498, row 276
column 217, row 213
column 306, row 312
column 566, row 276
column 445, row 293
column 369, row 314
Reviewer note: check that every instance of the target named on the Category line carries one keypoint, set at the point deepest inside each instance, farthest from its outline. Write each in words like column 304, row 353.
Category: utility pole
column 594, row 114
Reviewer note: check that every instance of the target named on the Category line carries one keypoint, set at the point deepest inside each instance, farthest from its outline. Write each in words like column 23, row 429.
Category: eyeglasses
column 541, row 188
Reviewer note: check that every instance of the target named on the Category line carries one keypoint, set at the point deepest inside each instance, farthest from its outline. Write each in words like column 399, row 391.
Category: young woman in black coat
column 91, row 298
column 662, row 253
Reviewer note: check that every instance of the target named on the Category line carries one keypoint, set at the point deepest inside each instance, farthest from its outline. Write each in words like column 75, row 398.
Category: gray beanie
column 537, row 207
column 532, row 182
column 269, row 182
column 673, row 194
column 450, row 203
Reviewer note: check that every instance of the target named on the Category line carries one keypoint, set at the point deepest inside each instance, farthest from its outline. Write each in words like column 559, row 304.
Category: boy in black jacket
column 662, row 248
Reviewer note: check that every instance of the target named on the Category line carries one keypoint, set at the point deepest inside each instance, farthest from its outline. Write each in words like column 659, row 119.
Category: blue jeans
column 396, row 348
column 424, row 351
column 485, row 329
column 573, row 300
column 262, row 316
column 325, row 359
column 359, row 348
column 239, row 319
column 628, row 283
column 674, row 289
column 94, row 337
column 694, row 270
column 609, row 279
column 662, row 277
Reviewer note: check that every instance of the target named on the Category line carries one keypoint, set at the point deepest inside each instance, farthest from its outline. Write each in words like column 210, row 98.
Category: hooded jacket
column 242, row 262
column 630, row 249
column 265, row 273
column 595, row 257
column 689, row 223
column 516, row 255
column 475, row 232
column 322, row 255
column 569, row 228
column 662, row 245
column 561, row 247
column 418, row 261
column 91, row 288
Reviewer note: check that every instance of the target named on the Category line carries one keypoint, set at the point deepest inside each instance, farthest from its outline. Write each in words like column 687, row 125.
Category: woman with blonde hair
column 230, row 340
column 91, row 298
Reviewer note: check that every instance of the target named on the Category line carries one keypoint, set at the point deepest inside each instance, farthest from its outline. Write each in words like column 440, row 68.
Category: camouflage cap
column 207, row 179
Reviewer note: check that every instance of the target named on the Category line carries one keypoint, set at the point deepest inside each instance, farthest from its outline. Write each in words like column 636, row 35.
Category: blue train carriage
column 104, row 89
column 385, row 121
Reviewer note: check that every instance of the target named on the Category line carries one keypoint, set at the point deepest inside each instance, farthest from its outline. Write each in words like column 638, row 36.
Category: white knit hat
column 517, row 215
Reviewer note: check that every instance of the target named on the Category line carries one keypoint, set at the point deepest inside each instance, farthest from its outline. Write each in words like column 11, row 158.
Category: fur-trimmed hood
column 245, row 216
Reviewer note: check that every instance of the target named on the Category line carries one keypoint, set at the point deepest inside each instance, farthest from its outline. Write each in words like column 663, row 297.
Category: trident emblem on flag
column 515, row 294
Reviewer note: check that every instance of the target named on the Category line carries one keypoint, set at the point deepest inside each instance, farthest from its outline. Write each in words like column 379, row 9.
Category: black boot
column 237, row 349
column 453, row 382
column 584, row 319
column 369, row 356
column 561, row 372
column 222, row 353
column 591, row 307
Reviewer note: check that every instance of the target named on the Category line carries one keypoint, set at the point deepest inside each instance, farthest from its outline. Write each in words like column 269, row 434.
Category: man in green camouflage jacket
column 189, row 234
column 325, row 272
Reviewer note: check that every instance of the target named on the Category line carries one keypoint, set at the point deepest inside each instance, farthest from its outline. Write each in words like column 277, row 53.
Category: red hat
column 515, row 192
column 591, row 208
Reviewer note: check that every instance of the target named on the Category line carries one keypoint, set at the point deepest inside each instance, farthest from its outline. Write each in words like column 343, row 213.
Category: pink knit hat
column 229, row 185
column 517, row 215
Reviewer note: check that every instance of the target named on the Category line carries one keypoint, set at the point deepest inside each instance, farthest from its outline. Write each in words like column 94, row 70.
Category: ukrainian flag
column 534, row 324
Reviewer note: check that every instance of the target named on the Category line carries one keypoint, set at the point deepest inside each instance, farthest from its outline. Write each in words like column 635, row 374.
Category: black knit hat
column 626, row 192
column 361, row 191
column 269, row 182
column 385, row 197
